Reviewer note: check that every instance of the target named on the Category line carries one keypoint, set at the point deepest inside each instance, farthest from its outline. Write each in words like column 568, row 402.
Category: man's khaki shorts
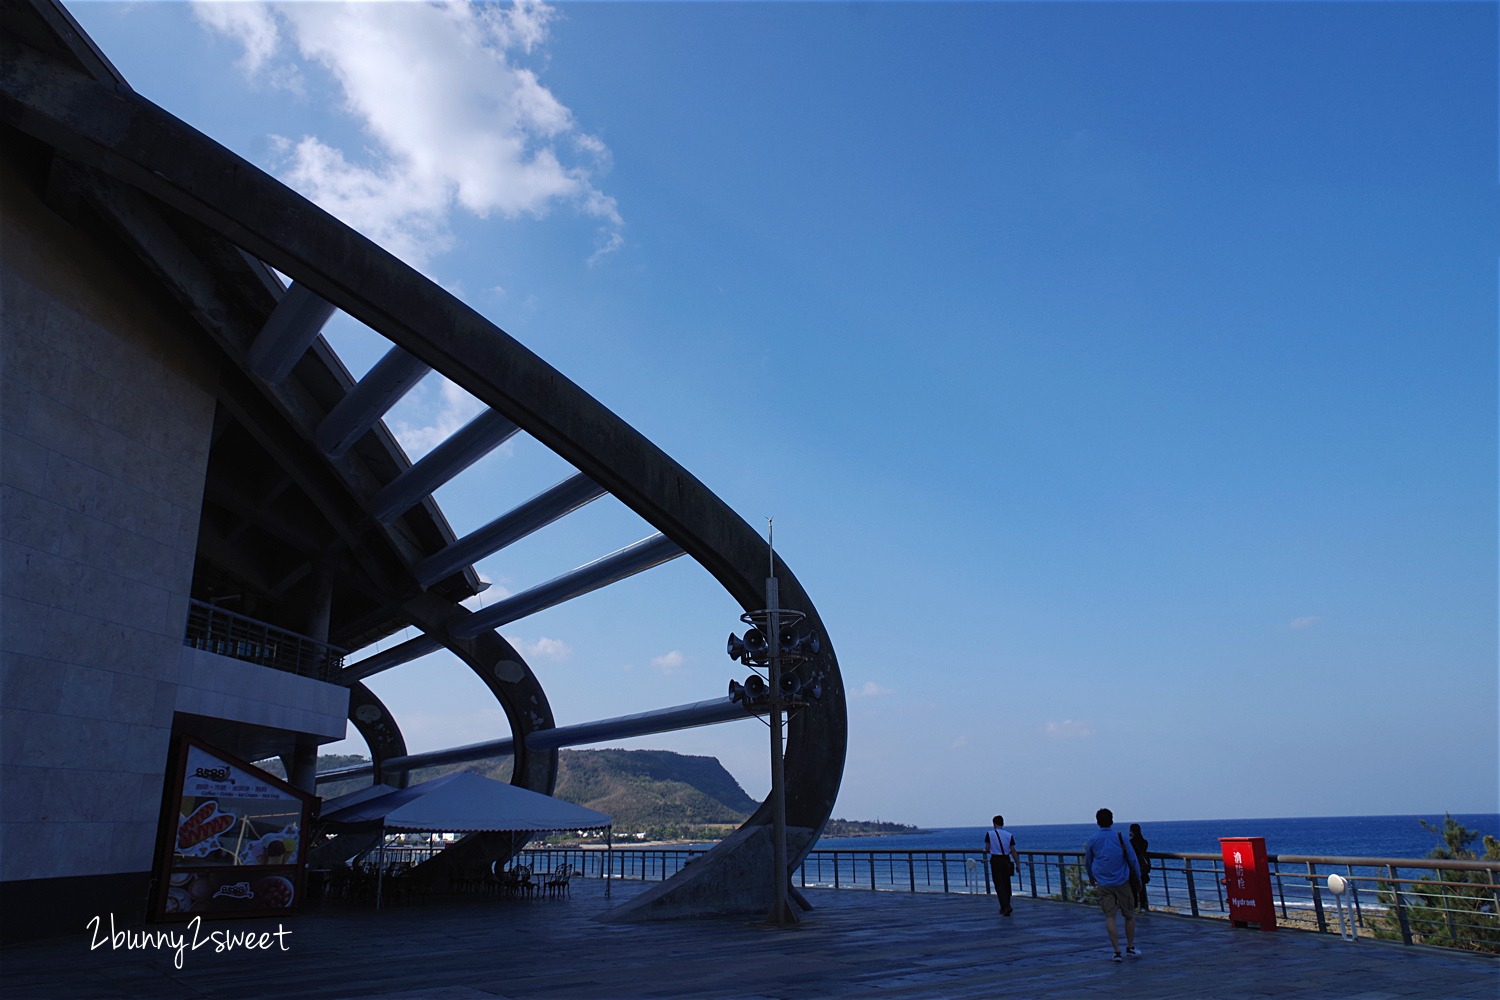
column 1116, row 897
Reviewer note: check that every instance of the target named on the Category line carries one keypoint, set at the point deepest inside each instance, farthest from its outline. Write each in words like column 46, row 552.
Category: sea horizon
column 1389, row 836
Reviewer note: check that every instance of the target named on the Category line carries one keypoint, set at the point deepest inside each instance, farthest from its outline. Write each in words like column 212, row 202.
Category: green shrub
column 1079, row 890
column 1459, row 914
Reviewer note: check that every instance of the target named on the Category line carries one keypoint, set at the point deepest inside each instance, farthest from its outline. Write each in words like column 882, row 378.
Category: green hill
column 645, row 789
column 656, row 791
column 665, row 795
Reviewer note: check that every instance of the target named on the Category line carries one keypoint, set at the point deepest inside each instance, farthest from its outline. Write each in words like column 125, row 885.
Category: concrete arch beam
column 378, row 727
column 508, row 677
column 139, row 144
column 383, row 736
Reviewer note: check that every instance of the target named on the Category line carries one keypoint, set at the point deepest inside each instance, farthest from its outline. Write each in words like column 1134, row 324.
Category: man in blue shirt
column 1110, row 862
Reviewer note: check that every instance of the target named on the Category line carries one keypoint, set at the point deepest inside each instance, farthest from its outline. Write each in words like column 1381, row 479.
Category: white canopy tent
column 461, row 802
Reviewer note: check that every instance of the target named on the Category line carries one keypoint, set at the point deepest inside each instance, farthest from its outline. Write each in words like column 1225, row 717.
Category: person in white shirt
column 1001, row 848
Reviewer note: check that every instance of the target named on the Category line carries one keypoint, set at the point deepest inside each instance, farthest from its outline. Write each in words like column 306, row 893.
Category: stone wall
column 107, row 408
column 212, row 685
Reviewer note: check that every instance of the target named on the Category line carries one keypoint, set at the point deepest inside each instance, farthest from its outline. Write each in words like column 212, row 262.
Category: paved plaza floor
column 855, row 944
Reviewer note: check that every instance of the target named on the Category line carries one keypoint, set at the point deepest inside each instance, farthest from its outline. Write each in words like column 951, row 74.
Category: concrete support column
column 302, row 764
column 302, row 769
column 320, row 609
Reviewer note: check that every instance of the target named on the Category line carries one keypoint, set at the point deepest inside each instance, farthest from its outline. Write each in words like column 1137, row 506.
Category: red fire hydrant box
column 1248, row 881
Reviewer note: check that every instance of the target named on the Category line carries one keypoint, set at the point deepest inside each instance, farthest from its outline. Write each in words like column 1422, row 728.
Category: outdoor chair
column 468, row 879
column 521, row 884
column 362, row 885
column 399, row 888
column 558, row 883
column 499, row 880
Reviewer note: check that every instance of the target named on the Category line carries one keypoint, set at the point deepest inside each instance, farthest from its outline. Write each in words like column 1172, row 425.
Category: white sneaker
column 1133, row 952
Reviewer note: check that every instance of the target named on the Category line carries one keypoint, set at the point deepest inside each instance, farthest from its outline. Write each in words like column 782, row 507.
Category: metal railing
column 641, row 864
column 1453, row 904
column 228, row 634
column 407, row 855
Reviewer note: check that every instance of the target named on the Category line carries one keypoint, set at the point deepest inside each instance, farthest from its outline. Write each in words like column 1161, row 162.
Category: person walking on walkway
column 1001, row 847
column 1110, row 862
column 1139, row 842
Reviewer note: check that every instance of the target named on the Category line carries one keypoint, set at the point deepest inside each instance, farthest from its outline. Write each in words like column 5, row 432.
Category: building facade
column 204, row 516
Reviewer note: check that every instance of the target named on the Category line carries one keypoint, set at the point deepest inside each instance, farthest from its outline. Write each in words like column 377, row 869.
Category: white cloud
column 250, row 24
column 543, row 649
column 870, row 690
column 1069, row 730
column 959, row 743
column 454, row 121
column 1307, row 621
column 671, row 663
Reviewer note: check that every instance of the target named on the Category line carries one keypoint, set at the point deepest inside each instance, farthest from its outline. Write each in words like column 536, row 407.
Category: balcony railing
column 228, row 634
column 1453, row 904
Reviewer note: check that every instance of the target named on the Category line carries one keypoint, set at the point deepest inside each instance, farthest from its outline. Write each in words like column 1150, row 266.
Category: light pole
column 773, row 644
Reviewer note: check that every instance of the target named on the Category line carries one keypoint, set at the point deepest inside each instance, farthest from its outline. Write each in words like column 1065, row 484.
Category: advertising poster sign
column 233, row 840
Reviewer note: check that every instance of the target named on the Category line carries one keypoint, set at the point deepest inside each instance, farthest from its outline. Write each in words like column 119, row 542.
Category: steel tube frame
column 463, row 448
column 536, row 513
column 662, row 720
column 294, row 324
column 371, row 398
column 384, row 660
column 781, row 912
column 632, row 559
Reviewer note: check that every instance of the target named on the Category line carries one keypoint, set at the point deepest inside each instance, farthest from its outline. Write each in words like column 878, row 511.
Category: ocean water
column 1171, row 886
column 1354, row 836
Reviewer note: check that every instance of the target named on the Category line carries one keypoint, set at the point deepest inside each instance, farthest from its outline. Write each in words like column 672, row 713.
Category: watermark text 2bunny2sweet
column 189, row 938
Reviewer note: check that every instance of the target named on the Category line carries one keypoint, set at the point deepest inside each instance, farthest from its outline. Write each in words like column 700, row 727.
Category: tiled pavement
column 856, row 944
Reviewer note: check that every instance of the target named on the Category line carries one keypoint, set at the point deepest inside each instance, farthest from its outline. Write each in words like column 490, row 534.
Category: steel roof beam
column 433, row 758
column 380, row 389
column 463, row 448
column 536, row 513
column 384, row 660
column 294, row 324
column 616, row 566
column 662, row 720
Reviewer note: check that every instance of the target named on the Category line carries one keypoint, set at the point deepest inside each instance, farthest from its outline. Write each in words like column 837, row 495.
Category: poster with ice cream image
column 229, row 816
column 235, row 845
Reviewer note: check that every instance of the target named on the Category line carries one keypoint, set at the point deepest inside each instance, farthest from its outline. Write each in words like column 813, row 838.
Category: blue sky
column 1129, row 369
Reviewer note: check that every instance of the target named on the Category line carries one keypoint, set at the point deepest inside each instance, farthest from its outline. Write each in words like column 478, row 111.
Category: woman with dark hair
column 1138, row 841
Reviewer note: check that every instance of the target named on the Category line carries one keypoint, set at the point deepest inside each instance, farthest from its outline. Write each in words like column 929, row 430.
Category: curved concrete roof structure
column 209, row 227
